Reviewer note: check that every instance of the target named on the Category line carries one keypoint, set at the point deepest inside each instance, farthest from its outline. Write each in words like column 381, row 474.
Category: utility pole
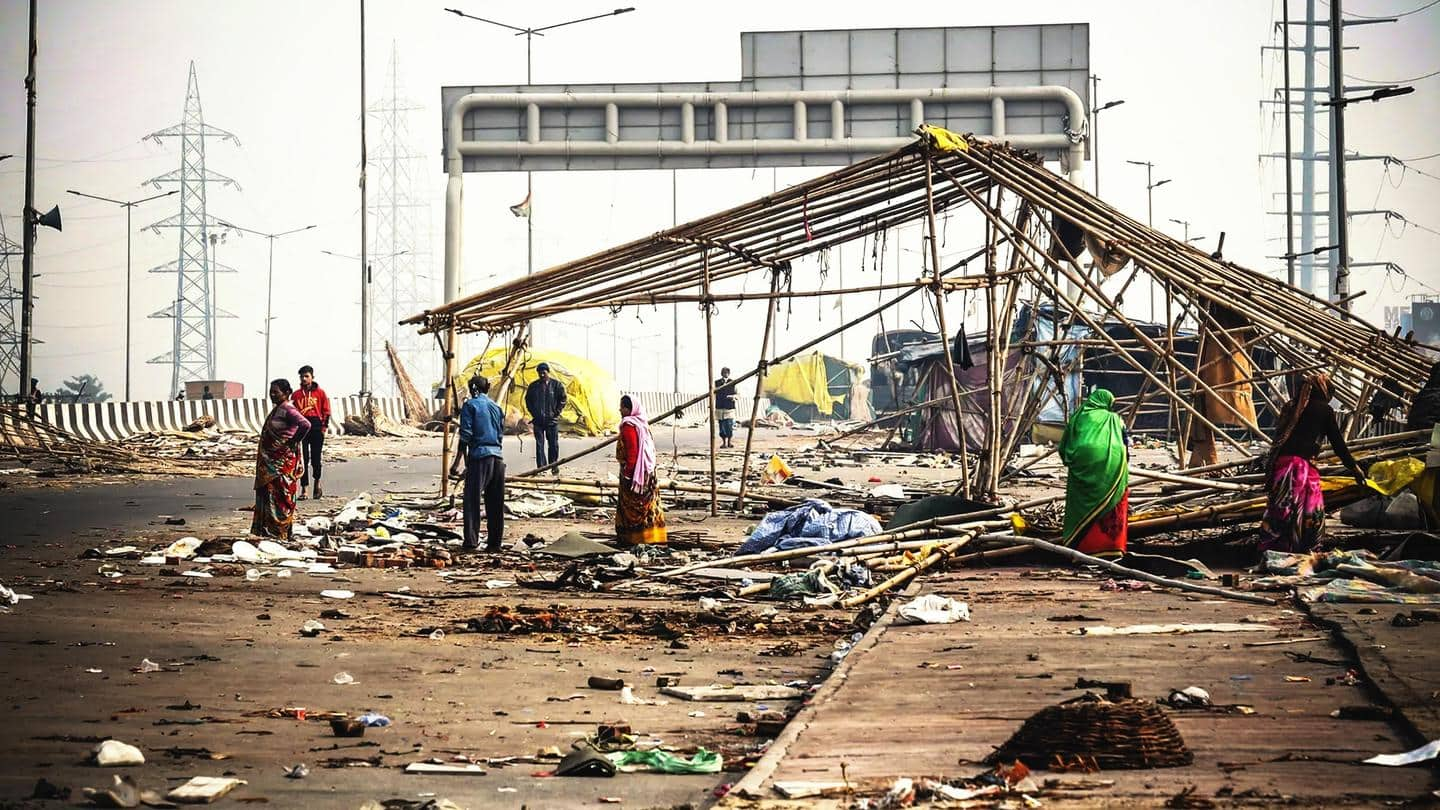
column 27, row 262
column 1339, row 224
column 128, row 205
column 1289, row 151
column 364, row 211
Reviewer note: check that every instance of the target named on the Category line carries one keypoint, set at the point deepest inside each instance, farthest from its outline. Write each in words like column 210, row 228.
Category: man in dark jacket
column 725, row 407
column 545, row 399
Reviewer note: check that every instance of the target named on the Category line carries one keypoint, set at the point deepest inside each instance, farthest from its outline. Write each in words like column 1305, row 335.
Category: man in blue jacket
column 481, row 429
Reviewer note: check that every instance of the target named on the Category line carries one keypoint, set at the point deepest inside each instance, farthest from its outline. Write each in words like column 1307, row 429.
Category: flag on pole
column 523, row 209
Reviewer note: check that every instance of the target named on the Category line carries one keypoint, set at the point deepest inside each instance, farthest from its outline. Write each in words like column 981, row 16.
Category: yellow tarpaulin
column 944, row 139
column 1389, row 477
column 803, row 380
column 592, row 405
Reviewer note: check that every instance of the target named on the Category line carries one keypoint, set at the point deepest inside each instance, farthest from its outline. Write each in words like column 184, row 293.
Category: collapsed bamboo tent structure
column 1037, row 227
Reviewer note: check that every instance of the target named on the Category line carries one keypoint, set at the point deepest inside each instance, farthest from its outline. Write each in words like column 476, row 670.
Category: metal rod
column 364, row 232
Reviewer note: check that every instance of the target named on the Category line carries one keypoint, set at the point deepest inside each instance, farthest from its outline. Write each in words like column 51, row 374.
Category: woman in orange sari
column 278, row 465
column 639, row 518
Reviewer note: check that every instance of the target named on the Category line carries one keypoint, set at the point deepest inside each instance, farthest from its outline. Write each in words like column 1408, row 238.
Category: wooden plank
column 733, row 694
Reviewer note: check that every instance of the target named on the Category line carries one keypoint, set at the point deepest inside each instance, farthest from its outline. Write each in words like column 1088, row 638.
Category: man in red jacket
column 312, row 403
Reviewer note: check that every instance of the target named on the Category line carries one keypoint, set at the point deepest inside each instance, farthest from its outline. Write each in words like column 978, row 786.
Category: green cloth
column 703, row 761
column 1093, row 447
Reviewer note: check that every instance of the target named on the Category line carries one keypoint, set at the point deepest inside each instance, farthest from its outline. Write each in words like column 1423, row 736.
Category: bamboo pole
column 910, row 572
column 710, row 378
column 993, row 359
column 449, row 397
column 1130, row 573
column 759, row 388
column 945, row 330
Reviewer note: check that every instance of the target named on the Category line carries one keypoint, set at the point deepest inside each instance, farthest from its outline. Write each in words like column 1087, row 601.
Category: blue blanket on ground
column 812, row 523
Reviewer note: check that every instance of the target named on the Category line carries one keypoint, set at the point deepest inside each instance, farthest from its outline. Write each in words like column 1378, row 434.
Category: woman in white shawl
column 640, row 518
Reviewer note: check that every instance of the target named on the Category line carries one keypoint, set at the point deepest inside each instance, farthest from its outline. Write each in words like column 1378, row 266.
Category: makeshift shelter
column 817, row 386
column 1023, row 208
column 592, row 399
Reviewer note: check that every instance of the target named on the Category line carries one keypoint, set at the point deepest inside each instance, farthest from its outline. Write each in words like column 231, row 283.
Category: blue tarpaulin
column 812, row 523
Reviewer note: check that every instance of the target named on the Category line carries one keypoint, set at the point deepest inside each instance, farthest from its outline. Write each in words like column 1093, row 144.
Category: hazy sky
column 283, row 76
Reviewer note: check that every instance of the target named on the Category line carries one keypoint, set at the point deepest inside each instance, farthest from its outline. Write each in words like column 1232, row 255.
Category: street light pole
column 128, row 205
column 530, row 34
column 269, row 284
column 364, row 217
column 1095, row 126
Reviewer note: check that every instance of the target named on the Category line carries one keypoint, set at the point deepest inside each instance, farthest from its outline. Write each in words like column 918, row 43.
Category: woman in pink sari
column 639, row 518
column 1295, row 514
column 278, row 466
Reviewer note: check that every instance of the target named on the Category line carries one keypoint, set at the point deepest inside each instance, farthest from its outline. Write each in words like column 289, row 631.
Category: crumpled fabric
column 665, row 762
column 823, row 577
column 812, row 523
column 1353, row 576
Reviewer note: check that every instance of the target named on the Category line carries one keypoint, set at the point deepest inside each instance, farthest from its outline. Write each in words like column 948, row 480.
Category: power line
column 1393, row 81
column 1386, row 16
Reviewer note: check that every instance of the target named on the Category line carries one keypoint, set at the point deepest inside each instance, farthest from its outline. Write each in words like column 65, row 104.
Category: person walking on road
column 725, row 407
column 482, row 425
column 277, row 465
column 314, row 405
column 545, row 399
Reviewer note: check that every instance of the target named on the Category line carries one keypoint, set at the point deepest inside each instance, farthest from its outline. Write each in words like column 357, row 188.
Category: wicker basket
column 1114, row 735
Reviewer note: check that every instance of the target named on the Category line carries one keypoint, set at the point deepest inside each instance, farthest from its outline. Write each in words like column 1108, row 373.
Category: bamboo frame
column 759, row 387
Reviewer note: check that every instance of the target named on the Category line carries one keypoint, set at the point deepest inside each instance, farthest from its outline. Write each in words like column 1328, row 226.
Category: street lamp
column 1185, row 223
column 1150, row 187
column 269, row 284
column 127, row 205
column 530, row 33
column 364, row 311
column 1095, row 127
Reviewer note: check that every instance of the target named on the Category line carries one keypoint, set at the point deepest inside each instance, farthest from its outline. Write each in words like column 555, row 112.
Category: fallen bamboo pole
column 1130, row 573
column 910, row 572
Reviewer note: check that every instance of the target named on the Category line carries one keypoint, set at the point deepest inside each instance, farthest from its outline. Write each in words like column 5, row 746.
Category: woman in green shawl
column 1097, row 498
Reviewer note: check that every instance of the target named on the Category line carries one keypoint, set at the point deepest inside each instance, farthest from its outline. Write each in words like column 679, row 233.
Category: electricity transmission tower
column 193, row 311
column 9, row 337
column 400, row 269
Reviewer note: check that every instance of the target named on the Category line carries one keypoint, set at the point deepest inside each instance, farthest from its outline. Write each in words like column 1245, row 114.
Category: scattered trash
column 468, row 769
column 203, row 789
column 1191, row 697
column 703, row 761
column 45, row 790
column 9, row 597
column 337, row 594
column 585, row 760
column 608, row 684
column 437, row 635
column 1424, row 753
column 116, row 754
column 311, row 628
column 342, row 679
column 934, row 609
column 123, row 793
column 298, row 772
column 373, row 720
column 1158, row 629
column 347, row 727
column 147, row 666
